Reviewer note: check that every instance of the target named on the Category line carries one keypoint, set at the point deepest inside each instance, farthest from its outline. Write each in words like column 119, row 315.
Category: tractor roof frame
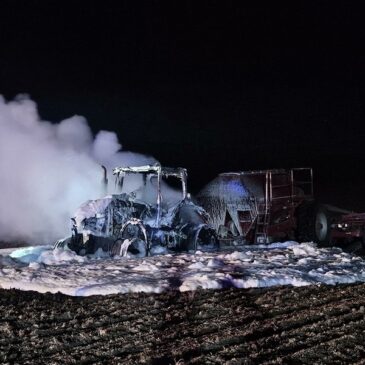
column 158, row 171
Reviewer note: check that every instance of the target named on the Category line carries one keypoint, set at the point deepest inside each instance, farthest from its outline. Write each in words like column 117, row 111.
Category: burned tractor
column 149, row 219
column 274, row 205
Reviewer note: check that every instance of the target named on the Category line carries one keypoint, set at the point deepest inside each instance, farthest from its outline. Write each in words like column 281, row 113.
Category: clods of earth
column 281, row 325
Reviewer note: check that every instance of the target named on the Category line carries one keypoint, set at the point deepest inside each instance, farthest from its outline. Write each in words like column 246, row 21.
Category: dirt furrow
column 279, row 325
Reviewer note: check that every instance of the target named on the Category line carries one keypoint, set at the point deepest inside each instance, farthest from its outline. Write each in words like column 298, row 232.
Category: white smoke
column 47, row 170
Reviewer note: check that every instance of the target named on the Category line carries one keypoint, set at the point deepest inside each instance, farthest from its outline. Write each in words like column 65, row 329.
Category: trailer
column 264, row 206
column 236, row 208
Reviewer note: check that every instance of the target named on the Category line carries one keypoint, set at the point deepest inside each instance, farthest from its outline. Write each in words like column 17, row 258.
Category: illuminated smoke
column 48, row 169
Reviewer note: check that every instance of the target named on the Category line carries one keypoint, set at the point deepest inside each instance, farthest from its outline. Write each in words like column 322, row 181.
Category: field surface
column 306, row 325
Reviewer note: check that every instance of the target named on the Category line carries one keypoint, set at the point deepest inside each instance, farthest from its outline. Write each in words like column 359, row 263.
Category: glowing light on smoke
column 48, row 169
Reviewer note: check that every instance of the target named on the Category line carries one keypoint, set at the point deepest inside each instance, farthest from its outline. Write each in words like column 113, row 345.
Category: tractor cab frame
column 152, row 171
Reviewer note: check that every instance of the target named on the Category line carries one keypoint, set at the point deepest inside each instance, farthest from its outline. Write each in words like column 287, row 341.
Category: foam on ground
column 290, row 263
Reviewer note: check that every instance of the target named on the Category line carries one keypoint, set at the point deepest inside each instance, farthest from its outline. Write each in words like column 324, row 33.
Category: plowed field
column 279, row 325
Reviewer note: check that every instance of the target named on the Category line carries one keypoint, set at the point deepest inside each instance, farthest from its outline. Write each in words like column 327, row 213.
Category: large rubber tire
column 313, row 223
column 206, row 240
column 136, row 247
column 137, row 236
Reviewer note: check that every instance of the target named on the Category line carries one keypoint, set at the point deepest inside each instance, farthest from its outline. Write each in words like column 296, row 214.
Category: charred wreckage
column 133, row 222
column 235, row 208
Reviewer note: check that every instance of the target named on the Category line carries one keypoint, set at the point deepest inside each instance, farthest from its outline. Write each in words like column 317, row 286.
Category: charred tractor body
column 272, row 205
column 143, row 221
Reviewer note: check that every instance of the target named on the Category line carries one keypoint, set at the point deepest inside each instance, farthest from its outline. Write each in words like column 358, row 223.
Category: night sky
column 212, row 86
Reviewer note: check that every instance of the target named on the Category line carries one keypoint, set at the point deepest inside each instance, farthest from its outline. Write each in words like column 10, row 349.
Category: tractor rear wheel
column 205, row 239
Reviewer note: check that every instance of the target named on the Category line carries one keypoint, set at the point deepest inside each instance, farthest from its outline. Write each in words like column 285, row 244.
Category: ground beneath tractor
column 184, row 324
column 289, row 263
column 306, row 325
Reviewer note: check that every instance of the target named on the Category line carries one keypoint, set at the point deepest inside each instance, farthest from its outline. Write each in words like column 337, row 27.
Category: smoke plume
column 48, row 169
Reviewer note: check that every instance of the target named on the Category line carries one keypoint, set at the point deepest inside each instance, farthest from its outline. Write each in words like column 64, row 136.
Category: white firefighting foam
column 290, row 263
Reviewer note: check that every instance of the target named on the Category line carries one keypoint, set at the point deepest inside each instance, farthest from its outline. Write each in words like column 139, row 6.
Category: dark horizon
column 206, row 86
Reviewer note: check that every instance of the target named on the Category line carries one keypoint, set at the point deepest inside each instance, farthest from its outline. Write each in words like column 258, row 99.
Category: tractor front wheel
column 132, row 239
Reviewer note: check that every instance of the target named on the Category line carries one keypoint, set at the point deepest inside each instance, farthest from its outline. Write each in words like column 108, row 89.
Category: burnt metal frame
column 154, row 170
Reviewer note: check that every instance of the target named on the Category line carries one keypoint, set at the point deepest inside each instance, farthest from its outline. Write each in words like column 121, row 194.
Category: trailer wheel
column 313, row 223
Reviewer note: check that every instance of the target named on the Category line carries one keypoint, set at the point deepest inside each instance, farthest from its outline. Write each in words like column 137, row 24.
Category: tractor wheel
column 132, row 239
column 313, row 223
column 134, row 246
column 205, row 239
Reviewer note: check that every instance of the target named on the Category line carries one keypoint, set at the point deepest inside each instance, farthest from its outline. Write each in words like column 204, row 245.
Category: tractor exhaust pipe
column 105, row 179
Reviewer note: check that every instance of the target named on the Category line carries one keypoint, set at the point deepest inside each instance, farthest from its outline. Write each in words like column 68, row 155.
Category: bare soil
column 318, row 324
